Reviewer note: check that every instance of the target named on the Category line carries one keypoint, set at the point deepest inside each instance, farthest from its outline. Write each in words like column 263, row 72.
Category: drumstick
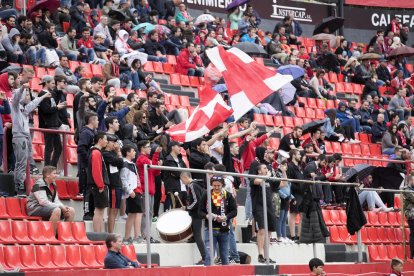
column 179, row 199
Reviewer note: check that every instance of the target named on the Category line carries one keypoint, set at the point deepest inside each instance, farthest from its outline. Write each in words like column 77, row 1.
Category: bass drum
column 175, row 226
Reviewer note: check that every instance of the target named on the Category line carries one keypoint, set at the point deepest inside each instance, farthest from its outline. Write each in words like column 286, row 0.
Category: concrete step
column 179, row 92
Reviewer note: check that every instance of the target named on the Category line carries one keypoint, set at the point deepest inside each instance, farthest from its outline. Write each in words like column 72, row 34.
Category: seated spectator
column 362, row 72
column 189, row 63
column 145, row 132
column 371, row 198
column 378, row 129
column 85, row 44
column 12, row 47
column 349, row 69
column 320, row 87
column 291, row 140
column 343, row 52
column 174, row 43
column 99, row 47
column 182, row 14
column 334, row 131
column 250, row 36
column 244, row 23
column 398, row 104
column 383, row 72
column 155, row 51
column 44, row 202
column 346, row 118
column 389, row 140
column 313, row 140
column 103, row 29
column 111, row 71
column 157, row 117
column 63, row 70
column 316, row 267
column 366, row 119
column 398, row 82
column 403, row 140
column 114, row 258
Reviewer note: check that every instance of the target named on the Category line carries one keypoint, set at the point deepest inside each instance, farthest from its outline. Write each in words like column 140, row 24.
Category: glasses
column 217, row 177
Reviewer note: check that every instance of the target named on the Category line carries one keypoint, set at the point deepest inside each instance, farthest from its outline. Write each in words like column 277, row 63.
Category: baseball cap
column 46, row 78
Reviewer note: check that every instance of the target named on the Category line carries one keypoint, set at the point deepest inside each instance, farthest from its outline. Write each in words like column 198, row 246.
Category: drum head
column 174, row 222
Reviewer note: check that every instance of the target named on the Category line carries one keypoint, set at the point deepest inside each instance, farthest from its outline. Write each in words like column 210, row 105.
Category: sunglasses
column 217, row 178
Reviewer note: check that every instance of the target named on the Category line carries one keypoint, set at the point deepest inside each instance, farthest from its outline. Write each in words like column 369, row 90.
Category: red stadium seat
column 79, row 233
column 73, row 256
column 400, row 251
column 375, row 149
column 88, row 257
column 274, row 143
column 71, row 155
column 333, row 77
column 3, row 209
column 392, row 251
column 342, row 216
column 336, row 147
column 158, row 67
column 184, row 101
column 382, row 235
column 399, row 219
column 328, row 147
column 14, row 209
column 64, row 230
column 44, row 257
column 298, row 121
column 38, row 138
column 372, row 234
column 334, row 215
column 278, row 121
column 23, row 202
column 321, row 103
column 27, row 257
column 59, row 257
column 373, row 218
column 357, row 88
column 259, row 119
column 382, row 219
column 330, row 104
column 41, row 232
column 392, row 237
column 288, row 121
column 392, row 218
column 356, row 149
column 19, row 231
column 365, row 150
column 171, row 59
column 5, row 233
column 344, row 235
column 185, row 81
column 268, row 120
column 174, row 100
column 397, row 202
column 310, row 113
column 312, row 103
column 346, row 148
column 377, row 253
column 334, row 237
column 340, row 87
column 62, row 190
column 327, row 217
column 194, row 81
column 12, row 256
column 148, row 66
column 96, row 70
column 100, row 253
column 175, row 79
column 300, row 112
column 303, row 100
column 129, row 251
column 169, row 68
column 349, row 88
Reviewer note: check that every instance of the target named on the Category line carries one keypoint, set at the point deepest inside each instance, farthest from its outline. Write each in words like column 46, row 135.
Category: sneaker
column 200, row 262
column 154, row 219
column 152, row 240
column 253, row 240
column 232, row 262
column 217, row 261
column 88, row 217
column 34, row 170
column 354, row 141
column 127, row 241
column 274, row 240
column 262, row 260
column 124, row 217
column 21, row 193
column 138, row 240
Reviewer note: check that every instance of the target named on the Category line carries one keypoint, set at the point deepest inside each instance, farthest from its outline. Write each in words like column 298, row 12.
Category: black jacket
column 85, row 142
column 151, row 47
column 45, row 39
column 383, row 73
column 77, row 19
column 59, row 96
column 48, row 112
column 112, row 160
column 355, row 217
column 198, row 160
column 230, row 210
column 172, row 178
column 156, row 120
column 378, row 131
column 194, row 195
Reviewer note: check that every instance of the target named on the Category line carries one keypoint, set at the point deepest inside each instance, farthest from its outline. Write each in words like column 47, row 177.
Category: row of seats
column 42, row 232
column 381, row 253
column 44, row 257
column 379, row 219
column 14, row 208
column 369, row 235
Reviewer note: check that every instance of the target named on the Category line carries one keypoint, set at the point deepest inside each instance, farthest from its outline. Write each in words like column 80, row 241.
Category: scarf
column 115, row 69
column 402, row 137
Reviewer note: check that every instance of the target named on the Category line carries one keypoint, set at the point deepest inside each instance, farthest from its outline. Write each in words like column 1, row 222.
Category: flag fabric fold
column 210, row 113
column 247, row 81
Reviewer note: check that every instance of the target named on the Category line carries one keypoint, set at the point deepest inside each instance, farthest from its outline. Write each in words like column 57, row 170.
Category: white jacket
column 129, row 178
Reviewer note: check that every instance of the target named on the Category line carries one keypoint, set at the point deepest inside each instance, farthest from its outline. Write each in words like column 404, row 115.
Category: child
column 396, row 267
column 133, row 193
column 316, row 267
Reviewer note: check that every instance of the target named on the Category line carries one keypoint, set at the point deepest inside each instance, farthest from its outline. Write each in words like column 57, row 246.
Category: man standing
column 144, row 149
column 223, row 208
column 22, row 106
column 85, row 142
column 49, row 119
column 98, row 179
column 114, row 258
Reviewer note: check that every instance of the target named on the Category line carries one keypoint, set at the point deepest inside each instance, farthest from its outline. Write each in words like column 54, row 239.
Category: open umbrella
column 324, row 37
column 287, row 93
column 220, row 88
column 369, row 56
column 250, row 48
column 204, row 18
column 311, row 126
column 50, row 5
column 388, row 178
column 293, row 70
column 148, row 27
column 359, row 171
column 402, row 51
column 332, row 23
column 161, row 29
column 117, row 15
column 236, row 3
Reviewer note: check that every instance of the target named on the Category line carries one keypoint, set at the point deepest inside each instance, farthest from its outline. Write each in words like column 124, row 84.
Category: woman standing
column 408, row 200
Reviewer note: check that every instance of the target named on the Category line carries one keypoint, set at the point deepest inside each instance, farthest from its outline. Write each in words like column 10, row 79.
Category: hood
column 4, row 84
column 13, row 32
column 123, row 35
column 260, row 152
column 341, row 104
column 127, row 131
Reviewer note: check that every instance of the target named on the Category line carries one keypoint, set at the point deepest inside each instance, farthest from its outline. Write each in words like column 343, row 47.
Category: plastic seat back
column 79, row 231
column 100, row 253
column 129, row 251
column 88, row 256
column 5, row 232
column 19, row 231
column 12, row 256
column 64, row 230
column 27, row 256
column 59, row 256
column 44, row 256
column 73, row 256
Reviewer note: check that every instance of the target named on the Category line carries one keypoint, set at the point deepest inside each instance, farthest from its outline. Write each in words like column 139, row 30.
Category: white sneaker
column 352, row 141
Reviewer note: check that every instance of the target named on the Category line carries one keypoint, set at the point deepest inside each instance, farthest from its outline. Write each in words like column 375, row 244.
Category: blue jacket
column 117, row 260
column 328, row 128
column 120, row 115
column 4, row 109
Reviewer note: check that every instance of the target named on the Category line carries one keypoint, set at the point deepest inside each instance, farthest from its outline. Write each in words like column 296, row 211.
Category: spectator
column 22, row 107
column 114, row 258
column 362, row 72
column 44, row 200
column 182, row 14
column 291, row 140
column 102, row 28
column 4, row 109
column 63, row 70
column 398, row 104
column 12, row 47
column 200, row 155
column 333, row 130
column 235, row 15
column 366, row 118
column 389, row 140
column 377, row 108
column 98, row 180
column 85, row 44
column 346, row 118
column 350, row 69
column 244, row 23
column 378, row 129
column 313, row 140
column 155, row 51
column 78, row 20
column 145, row 132
column 111, row 71
column 49, row 118
column 403, row 141
column 383, row 72
column 408, row 201
column 250, row 36
column 316, row 267
column 396, row 267
column 189, row 63
column 320, row 87
column 158, row 119
column 85, row 87
column 223, row 210
column 371, row 198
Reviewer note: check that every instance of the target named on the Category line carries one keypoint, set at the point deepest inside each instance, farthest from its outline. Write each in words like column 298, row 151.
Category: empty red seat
column 12, row 256
column 334, row 237
column 175, row 79
column 59, row 257
column 372, row 234
column 79, row 233
column 328, row 147
column 382, row 235
column 392, row 218
column 346, row 148
column 392, row 237
column 274, row 143
column 319, row 114
column 348, row 87
column 340, row 87
column 300, row 112
column 399, row 219
column 73, row 189
column 44, row 257
column 278, row 121
column 310, row 113
column 158, row 67
column 288, row 122
column 392, row 251
column 375, row 149
column 2, row 261
column 64, row 230
column 333, row 77
column 311, row 102
column 194, row 81
column 41, row 232
column 383, row 219
column 258, row 119
column 73, row 256
column 169, row 68
column 171, row 59
column 148, row 66
column 184, row 101
column 327, row 217
column 5, row 233
column 268, row 120
column 100, row 253
column 334, row 216
column 88, row 256
column 19, row 231
column 298, row 121
column 14, row 209
column 400, row 251
column 342, row 216
column 185, row 80
column 71, row 155
column 357, row 88
column 3, row 209
column 344, row 235
column 336, row 147
column 28, row 257
column 377, row 253
column 373, row 218
column 96, row 70
column 62, row 190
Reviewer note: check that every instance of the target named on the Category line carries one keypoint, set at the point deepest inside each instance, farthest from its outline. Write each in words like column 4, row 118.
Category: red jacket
column 249, row 153
column 87, row 43
column 5, row 88
column 185, row 62
column 141, row 161
column 97, row 174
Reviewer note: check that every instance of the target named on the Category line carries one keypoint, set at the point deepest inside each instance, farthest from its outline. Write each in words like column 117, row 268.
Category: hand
column 167, row 125
column 26, row 85
column 160, row 162
column 155, row 128
column 101, row 190
column 8, row 125
column 328, row 175
column 132, row 194
column 159, row 149
column 2, row 96
column 47, row 95
column 313, row 175
column 85, row 94
column 61, row 105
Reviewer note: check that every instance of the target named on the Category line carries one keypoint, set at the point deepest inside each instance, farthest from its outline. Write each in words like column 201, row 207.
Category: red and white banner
column 247, row 81
column 210, row 113
column 399, row 4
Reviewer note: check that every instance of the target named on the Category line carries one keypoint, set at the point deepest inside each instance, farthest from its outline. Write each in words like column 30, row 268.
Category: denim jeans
column 248, row 203
column 372, row 199
column 281, row 224
column 196, row 72
column 36, row 55
column 222, row 238
column 155, row 58
column 352, row 122
column 232, row 245
column 135, row 81
column 89, row 54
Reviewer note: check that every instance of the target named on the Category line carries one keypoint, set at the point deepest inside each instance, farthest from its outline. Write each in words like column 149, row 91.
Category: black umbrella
column 332, row 23
column 50, row 5
column 388, row 178
column 117, row 15
column 251, row 48
column 359, row 171
column 311, row 126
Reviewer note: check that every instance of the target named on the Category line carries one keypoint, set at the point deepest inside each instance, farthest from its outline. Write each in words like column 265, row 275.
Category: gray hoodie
column 20, row 113
column 8, row 44
column 42, row 196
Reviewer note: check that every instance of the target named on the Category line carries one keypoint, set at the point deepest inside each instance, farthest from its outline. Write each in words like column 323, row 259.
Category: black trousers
column 388, row 199
column 157, row 195
column 198, row 236
column 53, row 144
column 411, row 225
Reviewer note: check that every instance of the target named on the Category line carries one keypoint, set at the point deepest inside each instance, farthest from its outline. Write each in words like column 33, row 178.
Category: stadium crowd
column 117, row 135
